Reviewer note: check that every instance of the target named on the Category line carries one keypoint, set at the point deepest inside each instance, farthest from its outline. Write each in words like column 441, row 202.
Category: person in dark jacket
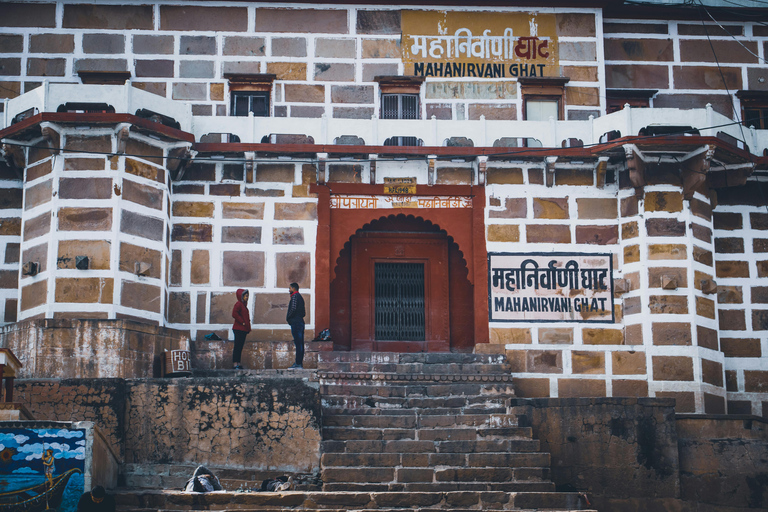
column 96, row 501
column 295, row 318
column 241, row 327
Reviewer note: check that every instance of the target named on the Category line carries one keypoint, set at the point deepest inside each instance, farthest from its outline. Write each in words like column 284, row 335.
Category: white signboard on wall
column 550, row 287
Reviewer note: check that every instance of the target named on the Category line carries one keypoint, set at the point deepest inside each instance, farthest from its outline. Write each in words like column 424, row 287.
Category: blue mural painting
column 41, row 469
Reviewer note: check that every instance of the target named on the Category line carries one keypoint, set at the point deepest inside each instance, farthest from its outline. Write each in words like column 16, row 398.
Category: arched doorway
column 401, row 284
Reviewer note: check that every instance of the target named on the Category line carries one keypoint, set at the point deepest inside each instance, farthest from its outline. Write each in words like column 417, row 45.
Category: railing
column 374, row 131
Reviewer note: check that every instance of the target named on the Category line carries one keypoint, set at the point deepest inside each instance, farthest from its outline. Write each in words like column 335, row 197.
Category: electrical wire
column 726, row 31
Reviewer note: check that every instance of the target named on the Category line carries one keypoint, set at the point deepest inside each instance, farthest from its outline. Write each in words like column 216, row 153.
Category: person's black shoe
column 296, row 367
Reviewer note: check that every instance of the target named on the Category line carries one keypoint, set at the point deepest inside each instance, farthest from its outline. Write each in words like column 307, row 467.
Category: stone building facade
column 597, row 131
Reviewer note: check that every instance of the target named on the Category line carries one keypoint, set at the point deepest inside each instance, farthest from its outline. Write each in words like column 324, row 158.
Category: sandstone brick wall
column 11, row 196
column 663, row 342
column 239, row 227
column 324, row 60
column 741, row 267
column 672, row 56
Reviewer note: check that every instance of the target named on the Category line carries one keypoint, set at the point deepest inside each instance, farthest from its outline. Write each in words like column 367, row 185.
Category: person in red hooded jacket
column 241, row 326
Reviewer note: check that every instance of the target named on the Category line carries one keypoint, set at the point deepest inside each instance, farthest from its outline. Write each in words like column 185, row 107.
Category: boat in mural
column 37, row 498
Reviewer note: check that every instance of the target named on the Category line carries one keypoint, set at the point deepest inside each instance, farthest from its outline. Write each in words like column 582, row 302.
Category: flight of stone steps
column 402, row 432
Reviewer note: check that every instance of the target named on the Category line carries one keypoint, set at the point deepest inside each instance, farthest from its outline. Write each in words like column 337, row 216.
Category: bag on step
column 203, row 480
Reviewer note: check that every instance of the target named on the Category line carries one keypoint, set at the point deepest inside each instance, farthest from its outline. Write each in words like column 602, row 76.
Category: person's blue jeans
column 297, row 331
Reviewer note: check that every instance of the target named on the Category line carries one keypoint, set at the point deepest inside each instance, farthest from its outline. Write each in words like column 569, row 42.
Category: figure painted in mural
column 241, row 326
column 96, row 501
column 49, row 465
column 295, row 318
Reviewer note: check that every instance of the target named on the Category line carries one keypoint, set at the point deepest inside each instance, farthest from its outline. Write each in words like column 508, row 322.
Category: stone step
column 455, row 434
column 412, row 446
column 174, row 476
column 156, row 500
column 474, row 368
column 408, row 487
column 451, row 402
column 409, row 358
column 336, row 416
column 419, row 389
column 426, row 379
column 524, row 460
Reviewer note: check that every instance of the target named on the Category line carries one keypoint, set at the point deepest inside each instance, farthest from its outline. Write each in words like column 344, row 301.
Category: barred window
column 244, row 102
column 400, row 106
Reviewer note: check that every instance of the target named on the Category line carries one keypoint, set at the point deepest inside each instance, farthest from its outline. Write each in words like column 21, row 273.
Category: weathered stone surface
column 577, row 25
column 732, row 269
column 85, row 290
column 178, row 308
column 243, row 269
column 145, row 195
column 629, row 230
column 503, row 233
column 241, row 234
column 336, row 48
column 701, row 50
column 574, row 177
column 295, row 211
column 353, row 112
column 587, row 362
column 639, row 49
column 142, row 296
column 192, row 233
column 550, row 208
column 271, row 307
column 663, row 202
column 287, row 70
column 705, row 307
column 131, row 254
column 628, row 363
column 532, row 388
column 144, row 226
column 288, row 236
column 110, row 17
column 15, row 43
column 503, row 176
column 741, row 347
column 535, row 361
column 656, row 273
column 351, row 94
column 633, row 388
column 296, row 93
column 199, row 272
column 334, row 72
column 46, row 67
column 548, row 233
column 732, row 320
column 706, row 337
column 629, row 206
column 51, row 43
column 371, row 71
column 631, row 254
column 668, row 304
column 555, row 336
column 378, row 22
column 632, row 306
column 345, row 173
column 596, row 208
column 592, row 336
column 675, row 368
column 20, row 14
column 492, row 112
column 326, row 21
column 760, row 320
column 667, row 252
column 509, row 336
column 672, row 333
column 192, row 18
column 755, row 381
column 103, row 43
column 12, row 250
column 707, row 77
column 728, row 221
column 85, row 188
column 577, row 388
column 189, row 91
column 38, row 194
column 621, row 76
column 242, row 45
column 9, row 279
column 12, row 226
column 146, row 44
column 275, row 172
column 289, row 47
column 192, row 209
column 665, row 227
column 293, row 267
column 85, row 219
column 597, row 235
column 514, row 208
column 197, row 45
column 198, row 69
column 98, row 252
column 33, row 295
column 144, row 170
column 306, row 111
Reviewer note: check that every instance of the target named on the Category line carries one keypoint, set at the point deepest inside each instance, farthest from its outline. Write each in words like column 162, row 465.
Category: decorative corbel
column 123, row 134
column 431, row 169
column 250, row 166
column 373, row 169
column 695, row 173
column 636, row 167
column 178, row 160
column 14, row 157
column 51, row 138
column 482, row 165
column 549, row 171
column 322, row 158
column 601, row 169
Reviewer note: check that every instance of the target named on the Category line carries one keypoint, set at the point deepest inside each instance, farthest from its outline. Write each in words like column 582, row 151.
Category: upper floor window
column 400, row 96
column 615, row 99
column 399, row 106
column 754, row 108
column 250, row 93
column 244, row 102
column 543, row 97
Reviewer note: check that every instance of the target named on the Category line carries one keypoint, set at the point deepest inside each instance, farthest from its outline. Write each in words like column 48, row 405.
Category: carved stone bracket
column 321, row 163
column 549, row 172
column 179, row 160
column 636, row 167
column 123, row 134
column 373, row 168
column 601, row 169
column 14, row 157
column 694, row 173
column 51, row 138
column 431, row 178
column 482, row 165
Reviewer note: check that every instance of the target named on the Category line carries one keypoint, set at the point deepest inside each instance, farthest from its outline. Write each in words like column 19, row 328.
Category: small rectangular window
column 541, row 110
column 400, row 106
column 244, row 102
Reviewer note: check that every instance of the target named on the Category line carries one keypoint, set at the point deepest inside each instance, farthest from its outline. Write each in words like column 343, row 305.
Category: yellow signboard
column 479, row 44
column 399, row 189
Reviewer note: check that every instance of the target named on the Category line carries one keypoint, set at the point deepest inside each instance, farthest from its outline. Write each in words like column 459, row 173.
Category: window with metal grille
column 399, row 106
column 244, row 102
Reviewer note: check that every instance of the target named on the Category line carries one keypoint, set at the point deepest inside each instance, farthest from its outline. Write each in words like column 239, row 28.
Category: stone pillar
column 96, row 220
column 670, row 312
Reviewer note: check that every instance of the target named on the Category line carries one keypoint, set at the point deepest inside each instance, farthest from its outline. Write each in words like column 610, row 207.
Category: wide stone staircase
column 406, row 432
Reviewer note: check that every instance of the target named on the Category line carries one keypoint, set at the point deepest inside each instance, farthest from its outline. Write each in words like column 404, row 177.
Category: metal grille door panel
column 399, row 301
